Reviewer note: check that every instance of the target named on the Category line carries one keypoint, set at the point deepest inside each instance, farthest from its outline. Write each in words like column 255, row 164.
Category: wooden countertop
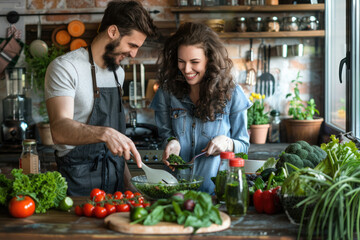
column 66, row 225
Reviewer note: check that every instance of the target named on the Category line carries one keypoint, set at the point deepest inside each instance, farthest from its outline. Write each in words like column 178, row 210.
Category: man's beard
column 109, row 55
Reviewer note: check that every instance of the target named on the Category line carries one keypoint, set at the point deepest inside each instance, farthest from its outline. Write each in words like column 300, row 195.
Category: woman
column 198, row 107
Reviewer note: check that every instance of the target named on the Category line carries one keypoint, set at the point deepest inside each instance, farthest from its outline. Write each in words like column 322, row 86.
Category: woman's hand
column 173, row 147
column 219, row 144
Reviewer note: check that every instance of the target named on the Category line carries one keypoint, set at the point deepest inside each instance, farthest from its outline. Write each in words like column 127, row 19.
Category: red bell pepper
column 267, row 201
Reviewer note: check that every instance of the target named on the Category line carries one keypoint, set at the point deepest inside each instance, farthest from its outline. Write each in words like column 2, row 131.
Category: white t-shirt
column 70, row 75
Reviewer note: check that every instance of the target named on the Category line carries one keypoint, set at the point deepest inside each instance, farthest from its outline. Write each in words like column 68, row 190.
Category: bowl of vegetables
column 154, row 191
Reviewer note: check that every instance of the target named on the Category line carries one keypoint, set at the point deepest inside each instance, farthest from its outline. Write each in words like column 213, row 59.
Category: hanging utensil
column 266, row 83
column 251, row 73
column 260, row 63
column 38, row 48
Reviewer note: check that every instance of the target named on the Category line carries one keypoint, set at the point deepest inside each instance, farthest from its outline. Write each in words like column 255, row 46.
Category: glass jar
column 182, row 3
column 194, row 2
column 216, row 24
column 272, row 24
column 274, row 132
column 221, row 176
column 290, row 24
column 29, row 158
column 256, row 24
column 236, row 190
column 309, row 23
column 241, row 25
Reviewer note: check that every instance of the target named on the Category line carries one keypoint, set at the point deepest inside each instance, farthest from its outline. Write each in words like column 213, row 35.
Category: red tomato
column 137, row 194
column 123, row 207
column 100, row 212
column 99, row 198
column 146, row 204
column 109, row 196
column 96, row 192
column 141, row 199
column 88, row 209
column 128, row 194
column 21, row 206
column 118, row 195
column 110, row 208
column 132, row 202
column 138, row 205
column 79, row 211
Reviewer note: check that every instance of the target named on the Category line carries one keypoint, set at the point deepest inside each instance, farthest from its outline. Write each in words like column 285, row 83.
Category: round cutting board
column 120, row 222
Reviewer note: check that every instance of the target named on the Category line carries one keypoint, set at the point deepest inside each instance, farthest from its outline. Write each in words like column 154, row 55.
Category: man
column 83, row 99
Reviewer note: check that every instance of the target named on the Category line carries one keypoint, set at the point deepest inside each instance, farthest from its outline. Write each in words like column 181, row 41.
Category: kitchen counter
column 66, row 225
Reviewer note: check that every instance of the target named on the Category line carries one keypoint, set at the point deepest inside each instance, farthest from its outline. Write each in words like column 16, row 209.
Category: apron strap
column 93, row 74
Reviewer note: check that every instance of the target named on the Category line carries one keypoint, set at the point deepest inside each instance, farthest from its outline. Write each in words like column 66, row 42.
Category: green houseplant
column 258, row 119
column 36, row 69
column 303, row 125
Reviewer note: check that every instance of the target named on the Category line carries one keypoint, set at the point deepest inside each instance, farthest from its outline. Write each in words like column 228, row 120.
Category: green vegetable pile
column 301, row 154
column 162, row 190
column 175, row 159
column 47, row 189
column 190, row 208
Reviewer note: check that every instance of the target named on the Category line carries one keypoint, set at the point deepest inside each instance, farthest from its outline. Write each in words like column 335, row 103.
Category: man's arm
column 67, row 131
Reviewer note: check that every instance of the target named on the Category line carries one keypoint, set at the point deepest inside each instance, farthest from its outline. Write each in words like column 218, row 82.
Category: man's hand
column 173, row 147
column 219, row 144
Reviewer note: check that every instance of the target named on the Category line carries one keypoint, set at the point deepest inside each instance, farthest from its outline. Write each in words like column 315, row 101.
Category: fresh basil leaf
column 215, row 216
column 193, row 222
column 177, row 208
column 205, row 201
column 155, row 216
column 198, row 211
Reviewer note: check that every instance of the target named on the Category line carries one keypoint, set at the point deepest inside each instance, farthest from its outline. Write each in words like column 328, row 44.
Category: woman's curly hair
column 217, row 84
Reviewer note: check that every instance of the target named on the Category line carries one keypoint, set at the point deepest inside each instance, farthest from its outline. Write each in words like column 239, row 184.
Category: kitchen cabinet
column 318, row 9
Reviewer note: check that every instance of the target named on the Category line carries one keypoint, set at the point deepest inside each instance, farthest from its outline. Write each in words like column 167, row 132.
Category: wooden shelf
column 281, row 34
column 275, row 8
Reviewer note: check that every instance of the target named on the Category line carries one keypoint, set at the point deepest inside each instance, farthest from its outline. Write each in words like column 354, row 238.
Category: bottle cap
column 227, row 155
column 275, row 113
column 236, row 162
column 29, row 141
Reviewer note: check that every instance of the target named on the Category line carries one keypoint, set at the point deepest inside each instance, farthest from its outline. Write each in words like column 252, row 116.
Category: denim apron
column 93, row 166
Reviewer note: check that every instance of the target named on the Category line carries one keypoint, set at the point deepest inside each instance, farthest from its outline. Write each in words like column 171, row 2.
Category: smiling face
column 192, row 63
column 122, row 47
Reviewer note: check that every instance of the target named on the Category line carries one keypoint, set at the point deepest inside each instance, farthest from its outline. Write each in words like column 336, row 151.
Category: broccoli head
column 319, row 152
column 292, row 148
column 289, row 158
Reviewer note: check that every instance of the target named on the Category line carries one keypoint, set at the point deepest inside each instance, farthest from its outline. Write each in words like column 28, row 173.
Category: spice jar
column 236, row 190
column 256, row 24
column 241, row 25
column 274, row 131
column 272, row 24
column 29, row 158
column 290, row 24
column 309, row 23
column 221, row 176
column 182, row 3
column 216, row 24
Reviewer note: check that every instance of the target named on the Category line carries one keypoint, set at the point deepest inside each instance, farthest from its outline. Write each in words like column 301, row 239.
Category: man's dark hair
column 128, row 16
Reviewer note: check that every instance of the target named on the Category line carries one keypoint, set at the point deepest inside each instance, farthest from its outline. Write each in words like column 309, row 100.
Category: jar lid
column 240, row 19
column 227, row 155
column 29, row 141
column 236, row 162
column 290, row 19
column 273, row 18
column 275, row 113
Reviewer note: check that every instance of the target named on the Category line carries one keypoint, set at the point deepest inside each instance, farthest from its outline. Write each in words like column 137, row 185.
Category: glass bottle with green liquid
column 236, row 190
column 221, row 176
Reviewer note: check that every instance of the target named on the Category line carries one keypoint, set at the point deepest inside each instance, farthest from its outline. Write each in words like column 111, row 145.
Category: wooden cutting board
column 120, row 222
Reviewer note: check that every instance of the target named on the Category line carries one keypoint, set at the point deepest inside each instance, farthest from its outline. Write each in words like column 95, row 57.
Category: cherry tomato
column 99, row 198
column 79, row 211
column 110, row 208
column 138, row 205
column 100, row 212
column 132, row 202
column 109, row 196
column 96, row 192
column 146, row 204
column 21, row 206
column 88, row 209
column 118, row 195
column 137, row 194
column 141, row 199
column 123, row 207
column 128, row 194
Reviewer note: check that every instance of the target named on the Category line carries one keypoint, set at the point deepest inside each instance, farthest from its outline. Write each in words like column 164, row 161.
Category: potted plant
column 36, row 68
column 303, row 125
column 258, row 120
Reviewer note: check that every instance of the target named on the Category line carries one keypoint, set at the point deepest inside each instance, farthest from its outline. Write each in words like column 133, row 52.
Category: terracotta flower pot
column 259, row 133
column 307, row 130
column 45, row 133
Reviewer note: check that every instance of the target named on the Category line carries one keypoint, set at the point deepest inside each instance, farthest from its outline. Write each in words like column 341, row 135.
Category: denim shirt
column 175, row 117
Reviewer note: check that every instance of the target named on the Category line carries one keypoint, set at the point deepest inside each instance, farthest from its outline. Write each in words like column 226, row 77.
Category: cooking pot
column 38, row 48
